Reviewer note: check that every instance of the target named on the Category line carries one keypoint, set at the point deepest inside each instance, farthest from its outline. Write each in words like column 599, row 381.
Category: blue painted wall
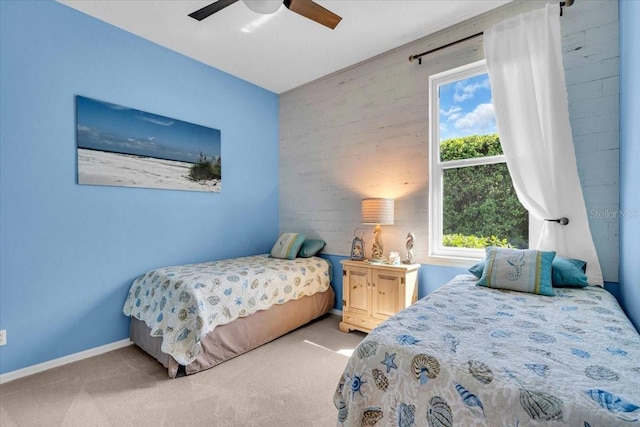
column 68, row 253
column 629, row 158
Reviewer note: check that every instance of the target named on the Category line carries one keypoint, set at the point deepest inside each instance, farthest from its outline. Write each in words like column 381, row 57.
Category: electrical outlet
column 3, row 337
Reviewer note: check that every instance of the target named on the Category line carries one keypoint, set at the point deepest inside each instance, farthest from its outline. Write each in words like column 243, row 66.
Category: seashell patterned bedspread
column 472, row 356
column 184, row 303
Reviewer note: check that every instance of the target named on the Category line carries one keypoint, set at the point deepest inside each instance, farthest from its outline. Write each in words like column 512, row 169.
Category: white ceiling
column 286, row 50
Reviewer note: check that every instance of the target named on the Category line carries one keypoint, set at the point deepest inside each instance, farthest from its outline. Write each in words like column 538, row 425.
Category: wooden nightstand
column 374, row 292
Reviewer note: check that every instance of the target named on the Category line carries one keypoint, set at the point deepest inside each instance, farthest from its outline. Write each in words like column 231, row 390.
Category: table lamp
column 377, row 212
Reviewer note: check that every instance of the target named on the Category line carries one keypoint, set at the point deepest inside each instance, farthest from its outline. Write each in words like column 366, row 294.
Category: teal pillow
column 523, row 270
column 477, row 269
column 287, row 246
column 311, row 247
column 568, row 273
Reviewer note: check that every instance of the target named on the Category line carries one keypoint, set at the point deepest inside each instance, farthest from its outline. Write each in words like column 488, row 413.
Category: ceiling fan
column 307, row 8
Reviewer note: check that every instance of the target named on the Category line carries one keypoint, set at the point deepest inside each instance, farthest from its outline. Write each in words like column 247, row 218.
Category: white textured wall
column 591, row 59
column 363, row 132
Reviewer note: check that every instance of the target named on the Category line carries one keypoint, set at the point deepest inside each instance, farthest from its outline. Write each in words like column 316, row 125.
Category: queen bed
column 197, row 316
column 469, row 355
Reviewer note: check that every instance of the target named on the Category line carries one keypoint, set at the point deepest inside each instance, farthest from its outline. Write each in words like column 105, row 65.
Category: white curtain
column 524, row 59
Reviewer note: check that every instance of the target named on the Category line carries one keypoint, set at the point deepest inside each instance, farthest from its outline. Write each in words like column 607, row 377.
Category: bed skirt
column 241, row 335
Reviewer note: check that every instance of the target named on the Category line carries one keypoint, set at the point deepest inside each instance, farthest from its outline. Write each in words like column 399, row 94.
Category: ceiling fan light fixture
column 265, row 7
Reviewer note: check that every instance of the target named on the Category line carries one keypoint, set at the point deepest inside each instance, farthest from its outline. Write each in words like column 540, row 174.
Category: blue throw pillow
column 523, row 270
column 287, row 246
column 311, row 247
column 477, row 269
column 568, row 273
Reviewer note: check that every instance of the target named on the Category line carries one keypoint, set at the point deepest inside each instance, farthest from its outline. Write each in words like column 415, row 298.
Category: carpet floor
column 287, row 382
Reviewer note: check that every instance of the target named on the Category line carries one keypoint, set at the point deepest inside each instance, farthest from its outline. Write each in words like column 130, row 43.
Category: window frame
column 437, row 167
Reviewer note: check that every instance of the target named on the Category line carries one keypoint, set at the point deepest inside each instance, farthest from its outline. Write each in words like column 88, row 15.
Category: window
column 472, row 200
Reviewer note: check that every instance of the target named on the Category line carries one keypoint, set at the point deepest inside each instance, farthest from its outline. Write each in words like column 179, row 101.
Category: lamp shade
column 377, row 211
column 263, row 6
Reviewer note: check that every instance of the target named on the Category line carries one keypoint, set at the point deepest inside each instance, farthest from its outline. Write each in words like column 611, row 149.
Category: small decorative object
column 377, row 212
column 409, row 244
column 394, row 258
column 357, row 247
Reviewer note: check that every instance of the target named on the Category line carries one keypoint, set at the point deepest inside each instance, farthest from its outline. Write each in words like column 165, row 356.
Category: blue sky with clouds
column 466, row 108
column 109, row 127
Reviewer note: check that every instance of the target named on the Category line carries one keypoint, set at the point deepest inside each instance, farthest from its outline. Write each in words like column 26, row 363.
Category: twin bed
column 468, row 355
column 194, row 317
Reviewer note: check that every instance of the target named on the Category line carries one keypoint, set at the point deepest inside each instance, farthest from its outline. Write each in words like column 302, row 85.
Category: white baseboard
column 30, row 370
column 336, row 311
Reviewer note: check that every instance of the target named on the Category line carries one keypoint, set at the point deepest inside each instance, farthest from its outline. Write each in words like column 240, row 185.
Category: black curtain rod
column 419, row 56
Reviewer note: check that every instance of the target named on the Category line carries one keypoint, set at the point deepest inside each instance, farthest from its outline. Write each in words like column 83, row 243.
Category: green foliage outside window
column 470, row 147
column 480, row 206
column 474, row 242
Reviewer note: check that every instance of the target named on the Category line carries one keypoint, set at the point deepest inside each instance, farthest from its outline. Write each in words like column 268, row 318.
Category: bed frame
column 241, row 335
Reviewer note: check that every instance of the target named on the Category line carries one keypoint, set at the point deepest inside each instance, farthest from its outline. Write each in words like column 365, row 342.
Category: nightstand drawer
column 364, row 322
column 350, row 318
column 360, row 321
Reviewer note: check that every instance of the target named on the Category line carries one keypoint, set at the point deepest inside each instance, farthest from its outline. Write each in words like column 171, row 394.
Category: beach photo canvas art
column 120, row 146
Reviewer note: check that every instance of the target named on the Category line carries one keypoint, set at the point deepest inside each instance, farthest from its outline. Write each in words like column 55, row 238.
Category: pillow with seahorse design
column 287, row 246
column 523, row 270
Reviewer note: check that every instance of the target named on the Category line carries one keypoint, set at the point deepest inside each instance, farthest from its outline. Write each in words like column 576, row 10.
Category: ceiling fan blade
column 209, row 10
column 313, row 11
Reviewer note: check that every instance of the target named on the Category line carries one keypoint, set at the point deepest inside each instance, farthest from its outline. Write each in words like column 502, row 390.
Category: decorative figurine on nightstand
column 410, row 238
column 377, row 251
column 357, row 247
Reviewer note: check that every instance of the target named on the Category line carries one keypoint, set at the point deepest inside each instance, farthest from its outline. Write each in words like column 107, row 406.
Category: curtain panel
column 524, row 59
